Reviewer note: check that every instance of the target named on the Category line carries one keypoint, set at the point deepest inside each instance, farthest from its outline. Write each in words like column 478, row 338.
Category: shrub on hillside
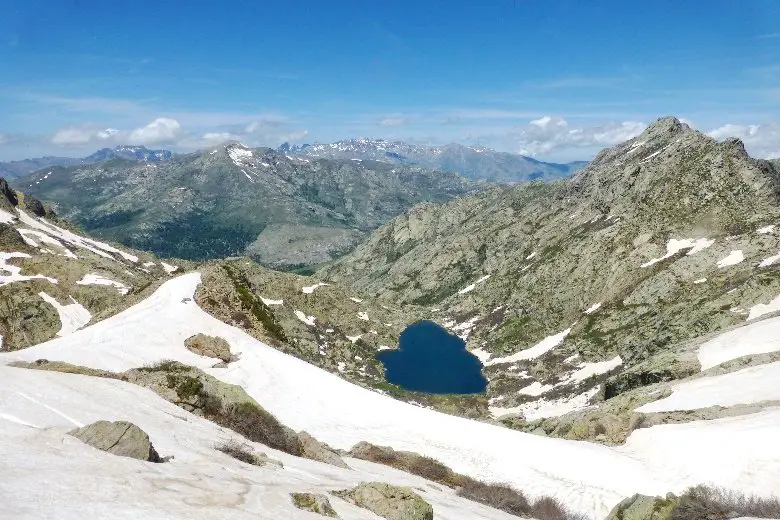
column 500, row 496
column 706, row 503
column 238, row 450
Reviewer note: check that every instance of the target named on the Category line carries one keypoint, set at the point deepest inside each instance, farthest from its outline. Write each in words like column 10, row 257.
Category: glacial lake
column 430, row 359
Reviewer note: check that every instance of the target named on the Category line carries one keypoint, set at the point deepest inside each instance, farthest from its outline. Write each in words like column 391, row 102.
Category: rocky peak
column 8, row 197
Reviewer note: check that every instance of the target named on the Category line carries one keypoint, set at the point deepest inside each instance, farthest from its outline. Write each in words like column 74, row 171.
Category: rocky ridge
column 577, row 291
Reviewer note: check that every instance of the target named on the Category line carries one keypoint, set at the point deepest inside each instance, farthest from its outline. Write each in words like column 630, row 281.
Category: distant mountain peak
column 475, row 162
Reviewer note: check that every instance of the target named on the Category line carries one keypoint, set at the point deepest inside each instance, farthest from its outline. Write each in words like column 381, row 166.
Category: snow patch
column 544, row 346
column 471, row 287
column 543, row 409
column 6, row 218
column 733, row 258
column 746, row 386
column 72, row 316
column 353, row 339
column 771, row 260
column 356, row 300
column 96, row 279
column 593, row 308
column 766, row 229
column 310, row 289
column 700, row 280
column 168, row 267
column 755, row 338
column 674, row 246
column 308, row 320
column 267, row 301
column 15, row 271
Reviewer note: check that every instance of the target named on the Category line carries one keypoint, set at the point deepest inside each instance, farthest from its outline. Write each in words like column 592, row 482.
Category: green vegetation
column 255, row 305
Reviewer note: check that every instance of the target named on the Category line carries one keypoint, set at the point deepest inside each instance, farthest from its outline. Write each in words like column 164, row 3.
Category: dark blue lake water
column 432, row 360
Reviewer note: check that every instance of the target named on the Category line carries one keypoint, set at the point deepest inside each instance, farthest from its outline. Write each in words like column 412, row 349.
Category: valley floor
column 740, row 453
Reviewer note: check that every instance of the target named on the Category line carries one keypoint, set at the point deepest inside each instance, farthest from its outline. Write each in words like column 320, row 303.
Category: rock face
column 8, row 197
column 120, row 438
column 209, row 346
column 388, row 501
column 315, row 450
column 315, row 503
column 642, row 507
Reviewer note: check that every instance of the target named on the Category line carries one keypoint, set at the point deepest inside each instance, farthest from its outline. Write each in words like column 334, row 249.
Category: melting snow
column 384, row 347
column 674, row 246
column 531, row 256
column 593, row 308
column 482, row 355
column 544, row 346
column 700, row 280
column 542, row 409
column 471, row 287
column 6, row 218
column 766, row 229
column 44, row 239
column 148, row 264
column 356, row 300
column 766, row 262
column 266, row 301
column 15, row 271
column 72, row 316
column 760, row 309
column 588, row 370
column 755, row 338
column 653, row 460
column 239, row 155
column 535, row 389
column 99, row 248
column 96, row 279
column 308, row 320
column 733, row 258
column 168, row 267
column 353, row 339
column 310, row 289
column 746, row 386
column 362, row 316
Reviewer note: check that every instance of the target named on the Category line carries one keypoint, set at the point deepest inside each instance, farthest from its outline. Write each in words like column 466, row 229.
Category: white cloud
column 550, row 135
column 75, row 135
column 762, row 141
column 161, row 130
column 394, row 121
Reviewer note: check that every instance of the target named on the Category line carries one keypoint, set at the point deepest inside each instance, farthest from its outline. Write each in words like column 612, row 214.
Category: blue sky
column 555, row 79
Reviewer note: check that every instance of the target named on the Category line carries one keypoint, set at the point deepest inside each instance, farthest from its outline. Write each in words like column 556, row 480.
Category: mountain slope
column 284, row 211
column 585, row 289
column 473, row 162
column 54, row 280
column 15, row 169
column 589, row 477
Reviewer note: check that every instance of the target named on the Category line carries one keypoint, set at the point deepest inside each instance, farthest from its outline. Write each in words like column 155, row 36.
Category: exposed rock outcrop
column 388, row 501
column 316, row 503
column 120, row 438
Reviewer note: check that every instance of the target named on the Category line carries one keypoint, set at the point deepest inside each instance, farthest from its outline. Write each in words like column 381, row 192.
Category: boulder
column 120, row 438
column 315, row 503
column 315, row 450
column 209, row 346
column 388, row 501
column 643, row 507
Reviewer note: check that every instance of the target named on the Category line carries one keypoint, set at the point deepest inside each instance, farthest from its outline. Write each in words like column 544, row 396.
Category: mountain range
column 14, row 169
column 285, row 211
column 625, row 319
column 473, row 162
